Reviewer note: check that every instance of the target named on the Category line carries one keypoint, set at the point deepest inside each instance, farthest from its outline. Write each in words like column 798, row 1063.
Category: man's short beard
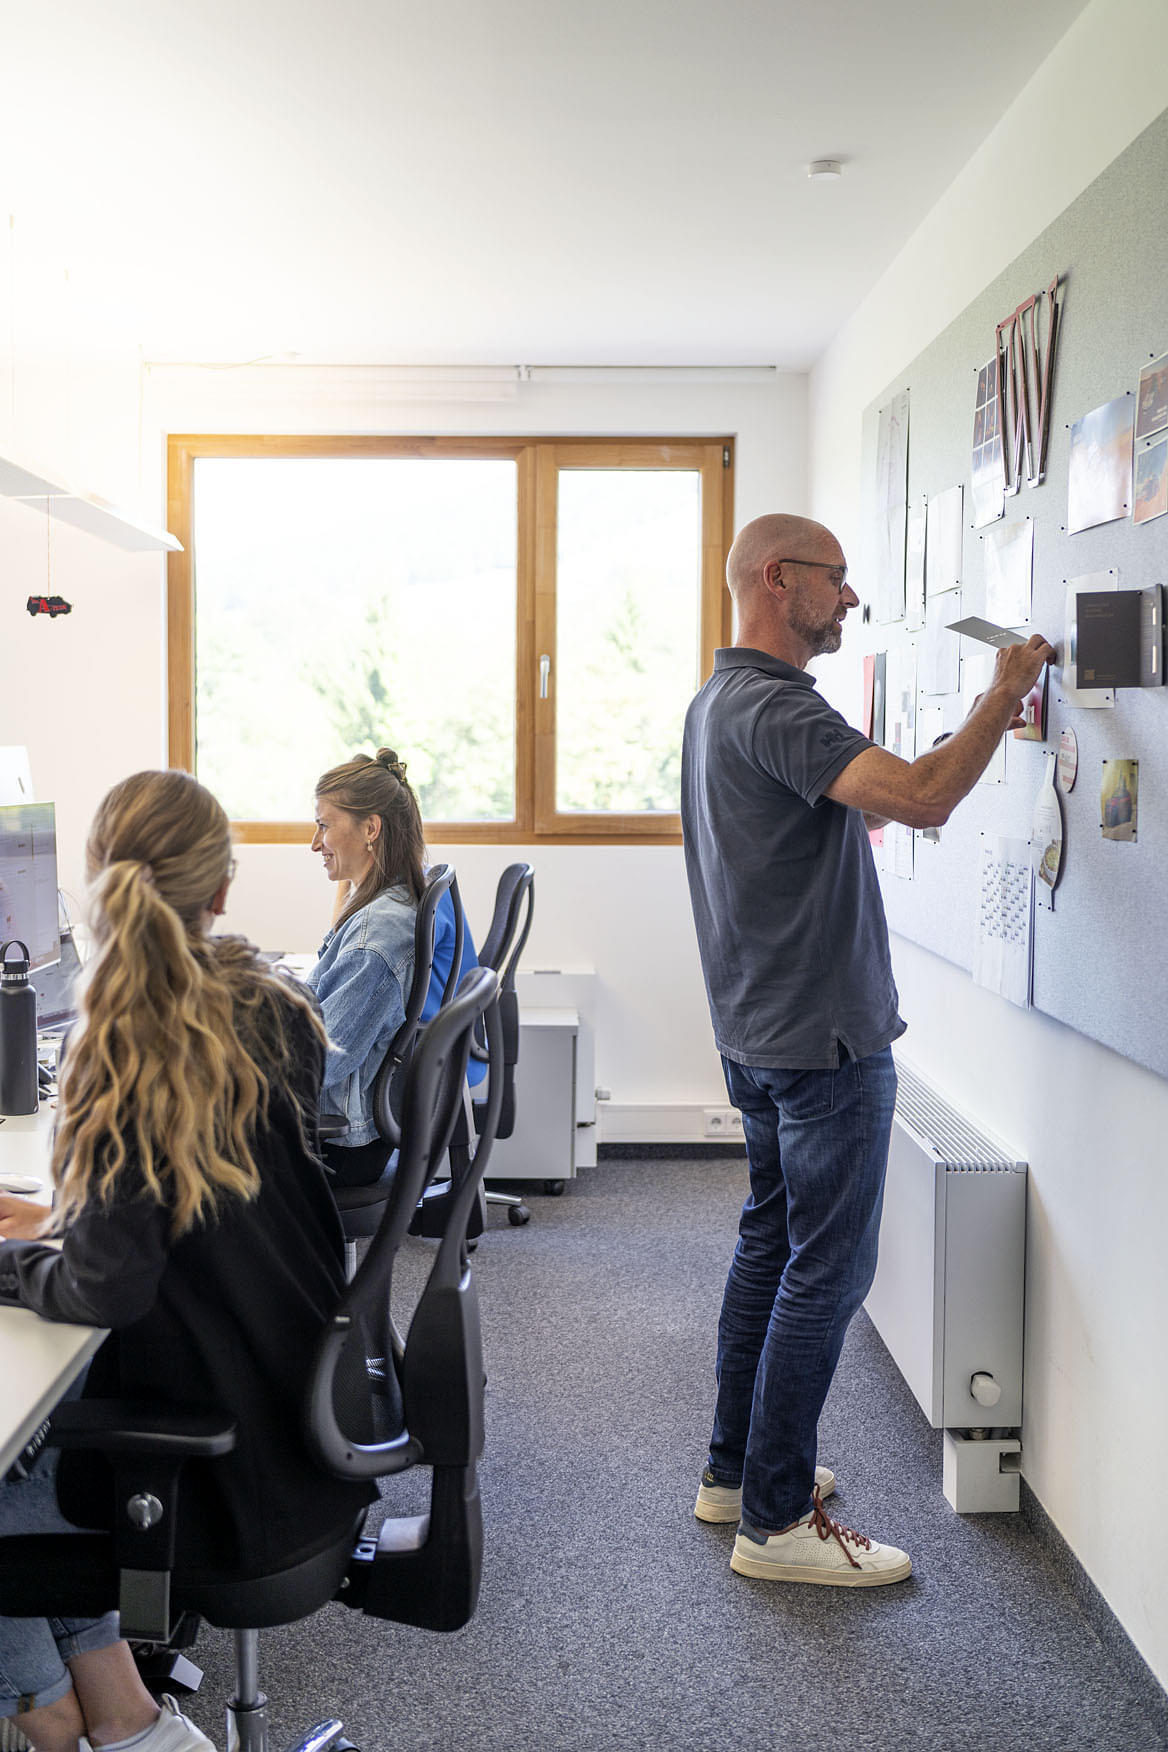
column 820, row 638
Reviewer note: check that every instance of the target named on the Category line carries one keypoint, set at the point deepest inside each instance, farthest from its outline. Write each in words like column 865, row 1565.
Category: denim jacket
column 362, row 979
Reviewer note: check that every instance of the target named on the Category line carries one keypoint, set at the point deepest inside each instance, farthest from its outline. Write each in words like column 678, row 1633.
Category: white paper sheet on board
column 977, row 671
column 1008, row 549
column 943, row 542
column 940, row 650
column 900, row 701
column 1005, row 918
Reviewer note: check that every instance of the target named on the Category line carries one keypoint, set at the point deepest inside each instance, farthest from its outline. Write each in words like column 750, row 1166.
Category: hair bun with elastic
column 387, row 758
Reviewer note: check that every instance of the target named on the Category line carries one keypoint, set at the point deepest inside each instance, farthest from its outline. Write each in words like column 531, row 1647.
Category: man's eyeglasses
column 839, row 574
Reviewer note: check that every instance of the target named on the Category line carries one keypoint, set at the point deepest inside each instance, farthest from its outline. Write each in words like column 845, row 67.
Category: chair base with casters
column 517, row 1211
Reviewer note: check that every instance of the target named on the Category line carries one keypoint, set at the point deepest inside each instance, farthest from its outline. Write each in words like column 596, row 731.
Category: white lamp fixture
column 42, row 493
column 825, row 169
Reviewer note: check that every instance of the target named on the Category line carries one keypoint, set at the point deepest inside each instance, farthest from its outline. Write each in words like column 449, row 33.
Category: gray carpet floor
column 610, row 1618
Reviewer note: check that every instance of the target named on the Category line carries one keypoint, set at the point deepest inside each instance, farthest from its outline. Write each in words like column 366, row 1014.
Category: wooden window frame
column 538, row 460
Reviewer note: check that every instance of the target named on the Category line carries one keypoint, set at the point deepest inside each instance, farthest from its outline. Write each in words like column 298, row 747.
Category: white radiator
column 948, row 1295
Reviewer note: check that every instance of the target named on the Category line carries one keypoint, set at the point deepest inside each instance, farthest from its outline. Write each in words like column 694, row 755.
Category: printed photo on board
column 1100, row 470
column 1152, row 415
column 1119, row 799
column 1151, row 482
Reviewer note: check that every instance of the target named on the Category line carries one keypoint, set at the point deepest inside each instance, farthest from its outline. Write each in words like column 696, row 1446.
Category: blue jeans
column 817, row 1143
column 33, row 1651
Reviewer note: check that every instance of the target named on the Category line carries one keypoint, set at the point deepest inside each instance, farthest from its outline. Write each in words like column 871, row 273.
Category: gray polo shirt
column 788, row 909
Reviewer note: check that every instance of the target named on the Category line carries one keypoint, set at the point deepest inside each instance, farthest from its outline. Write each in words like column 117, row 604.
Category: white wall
column 1090, row 1124
column 84, row 691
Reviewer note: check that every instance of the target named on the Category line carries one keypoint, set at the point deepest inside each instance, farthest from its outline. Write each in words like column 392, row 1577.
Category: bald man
column 778, row 794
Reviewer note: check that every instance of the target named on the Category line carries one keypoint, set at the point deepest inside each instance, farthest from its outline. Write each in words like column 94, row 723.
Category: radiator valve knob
column 985, row 1389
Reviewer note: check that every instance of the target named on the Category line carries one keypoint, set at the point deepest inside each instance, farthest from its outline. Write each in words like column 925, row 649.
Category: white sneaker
column 171, row 1731
column 818, row 1549
column 723, row 1502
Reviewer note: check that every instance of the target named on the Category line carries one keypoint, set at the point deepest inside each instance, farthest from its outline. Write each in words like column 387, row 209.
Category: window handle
column 545, row 669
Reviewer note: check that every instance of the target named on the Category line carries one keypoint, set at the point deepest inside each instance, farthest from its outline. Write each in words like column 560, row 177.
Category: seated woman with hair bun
column 369, row 834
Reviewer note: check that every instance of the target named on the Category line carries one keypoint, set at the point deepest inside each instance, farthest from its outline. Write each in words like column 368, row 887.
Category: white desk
column 38, row 1358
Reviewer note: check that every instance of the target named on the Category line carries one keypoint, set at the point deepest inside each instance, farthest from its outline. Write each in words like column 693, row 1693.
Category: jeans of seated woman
column 33, row 1651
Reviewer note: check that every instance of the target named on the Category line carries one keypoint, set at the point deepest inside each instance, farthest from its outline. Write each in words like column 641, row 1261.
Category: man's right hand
column 922, row 793
column 1018, row 667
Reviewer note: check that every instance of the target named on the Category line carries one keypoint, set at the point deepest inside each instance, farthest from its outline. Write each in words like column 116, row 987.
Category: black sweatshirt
column 226, row 1318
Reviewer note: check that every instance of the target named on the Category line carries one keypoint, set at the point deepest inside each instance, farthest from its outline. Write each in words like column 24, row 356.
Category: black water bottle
column 18, row 1034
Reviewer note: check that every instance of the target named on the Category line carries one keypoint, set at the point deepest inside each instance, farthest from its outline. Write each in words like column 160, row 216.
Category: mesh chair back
column 502, row 946
column 510, row 924
column 440, row 880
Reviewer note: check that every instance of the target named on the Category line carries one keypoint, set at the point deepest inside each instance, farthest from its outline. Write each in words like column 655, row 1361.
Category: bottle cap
column 14, row 972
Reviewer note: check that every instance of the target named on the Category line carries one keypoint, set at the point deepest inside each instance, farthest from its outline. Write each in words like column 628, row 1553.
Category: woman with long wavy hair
column 195, row 1222
column 368, row 830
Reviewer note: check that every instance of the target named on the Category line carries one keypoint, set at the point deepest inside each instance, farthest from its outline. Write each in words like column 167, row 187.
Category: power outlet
column 723, row 1122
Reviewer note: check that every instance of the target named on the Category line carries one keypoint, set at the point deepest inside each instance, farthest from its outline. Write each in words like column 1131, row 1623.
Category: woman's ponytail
column 167, row 1063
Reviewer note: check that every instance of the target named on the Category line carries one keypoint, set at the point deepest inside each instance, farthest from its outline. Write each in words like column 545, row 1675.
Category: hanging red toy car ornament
column 50, row 605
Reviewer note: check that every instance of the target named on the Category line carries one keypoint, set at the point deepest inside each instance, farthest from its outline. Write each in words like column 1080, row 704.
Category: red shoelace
column 829, row 1529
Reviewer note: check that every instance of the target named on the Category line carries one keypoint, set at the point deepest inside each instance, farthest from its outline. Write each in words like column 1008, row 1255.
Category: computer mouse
column 20, row 1183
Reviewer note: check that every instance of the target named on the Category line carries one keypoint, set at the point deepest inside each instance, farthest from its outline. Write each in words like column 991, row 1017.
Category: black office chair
column 501, row 948
column 361, row 1206
column 421, row 1570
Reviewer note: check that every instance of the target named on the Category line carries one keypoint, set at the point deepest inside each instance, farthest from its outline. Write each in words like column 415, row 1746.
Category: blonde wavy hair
column 181, row 1036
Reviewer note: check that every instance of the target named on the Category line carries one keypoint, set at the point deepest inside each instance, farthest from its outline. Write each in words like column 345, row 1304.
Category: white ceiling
column 487, row 181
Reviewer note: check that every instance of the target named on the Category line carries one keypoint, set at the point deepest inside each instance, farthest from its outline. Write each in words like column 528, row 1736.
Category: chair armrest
column 122, row 1426
column 343, row 1457
column 331, row 1125
column 145, row 1448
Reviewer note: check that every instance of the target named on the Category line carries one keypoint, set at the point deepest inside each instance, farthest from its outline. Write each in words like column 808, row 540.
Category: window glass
column 343, row 603
column 628, row 611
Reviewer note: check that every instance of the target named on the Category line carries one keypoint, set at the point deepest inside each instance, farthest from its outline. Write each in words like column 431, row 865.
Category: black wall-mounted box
column 1119, row 638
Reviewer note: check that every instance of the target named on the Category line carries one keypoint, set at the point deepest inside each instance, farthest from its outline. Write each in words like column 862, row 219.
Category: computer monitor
column 56, row 988
column 28, row 880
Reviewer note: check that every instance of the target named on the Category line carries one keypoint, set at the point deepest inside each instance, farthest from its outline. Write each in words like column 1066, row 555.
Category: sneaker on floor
column 723, row 1502
column 173, row 1732
column 818, row 1549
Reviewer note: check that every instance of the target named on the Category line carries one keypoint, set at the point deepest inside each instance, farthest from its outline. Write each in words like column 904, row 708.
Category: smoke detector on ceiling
column 825, row 169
